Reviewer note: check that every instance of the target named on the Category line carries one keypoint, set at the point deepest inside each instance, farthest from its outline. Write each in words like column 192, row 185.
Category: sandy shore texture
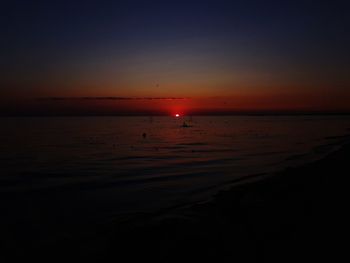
column 296, row 214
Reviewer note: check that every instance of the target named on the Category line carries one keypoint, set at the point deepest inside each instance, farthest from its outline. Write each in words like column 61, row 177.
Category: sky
column 162, row 57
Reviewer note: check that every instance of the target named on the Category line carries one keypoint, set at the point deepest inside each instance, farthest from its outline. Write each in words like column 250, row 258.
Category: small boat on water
column 185, row 125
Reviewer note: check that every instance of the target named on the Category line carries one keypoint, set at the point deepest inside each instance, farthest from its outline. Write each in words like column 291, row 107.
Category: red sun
column 177, row 115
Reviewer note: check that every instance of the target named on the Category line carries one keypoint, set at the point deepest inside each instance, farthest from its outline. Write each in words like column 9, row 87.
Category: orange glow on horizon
column 177, row 108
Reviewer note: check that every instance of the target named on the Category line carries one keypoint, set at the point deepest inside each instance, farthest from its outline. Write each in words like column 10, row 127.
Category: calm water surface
column 69, row 171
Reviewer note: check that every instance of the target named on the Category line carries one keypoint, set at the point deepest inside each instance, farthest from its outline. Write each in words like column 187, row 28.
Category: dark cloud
column 109, row 98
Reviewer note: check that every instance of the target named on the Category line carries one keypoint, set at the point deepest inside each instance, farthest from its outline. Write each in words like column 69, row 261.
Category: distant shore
column 4, row 114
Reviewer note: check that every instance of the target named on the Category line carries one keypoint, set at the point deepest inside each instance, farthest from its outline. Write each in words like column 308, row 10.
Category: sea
column 63, row 175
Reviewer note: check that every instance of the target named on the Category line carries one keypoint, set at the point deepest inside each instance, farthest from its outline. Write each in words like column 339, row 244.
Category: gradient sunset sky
column 130, row 57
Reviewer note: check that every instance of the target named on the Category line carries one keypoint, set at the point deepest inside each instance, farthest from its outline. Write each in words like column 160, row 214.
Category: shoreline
column 295, row 212
column 333, row 147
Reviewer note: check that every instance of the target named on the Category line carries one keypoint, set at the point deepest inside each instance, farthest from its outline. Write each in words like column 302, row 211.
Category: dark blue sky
column 68, row 48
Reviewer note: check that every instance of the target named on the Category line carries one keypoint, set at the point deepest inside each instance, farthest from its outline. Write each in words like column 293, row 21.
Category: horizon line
column 159, row 114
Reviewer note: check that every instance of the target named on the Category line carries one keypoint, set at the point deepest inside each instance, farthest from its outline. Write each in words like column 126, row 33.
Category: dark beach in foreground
column 296, row 214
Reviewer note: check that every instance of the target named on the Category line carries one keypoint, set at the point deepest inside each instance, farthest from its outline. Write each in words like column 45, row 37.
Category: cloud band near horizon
column 110, row 98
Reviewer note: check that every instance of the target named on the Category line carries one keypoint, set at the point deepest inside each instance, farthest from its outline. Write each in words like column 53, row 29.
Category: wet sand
column 296, row 214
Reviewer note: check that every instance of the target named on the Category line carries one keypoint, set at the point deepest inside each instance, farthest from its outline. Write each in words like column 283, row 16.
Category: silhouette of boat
column 185, row 125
